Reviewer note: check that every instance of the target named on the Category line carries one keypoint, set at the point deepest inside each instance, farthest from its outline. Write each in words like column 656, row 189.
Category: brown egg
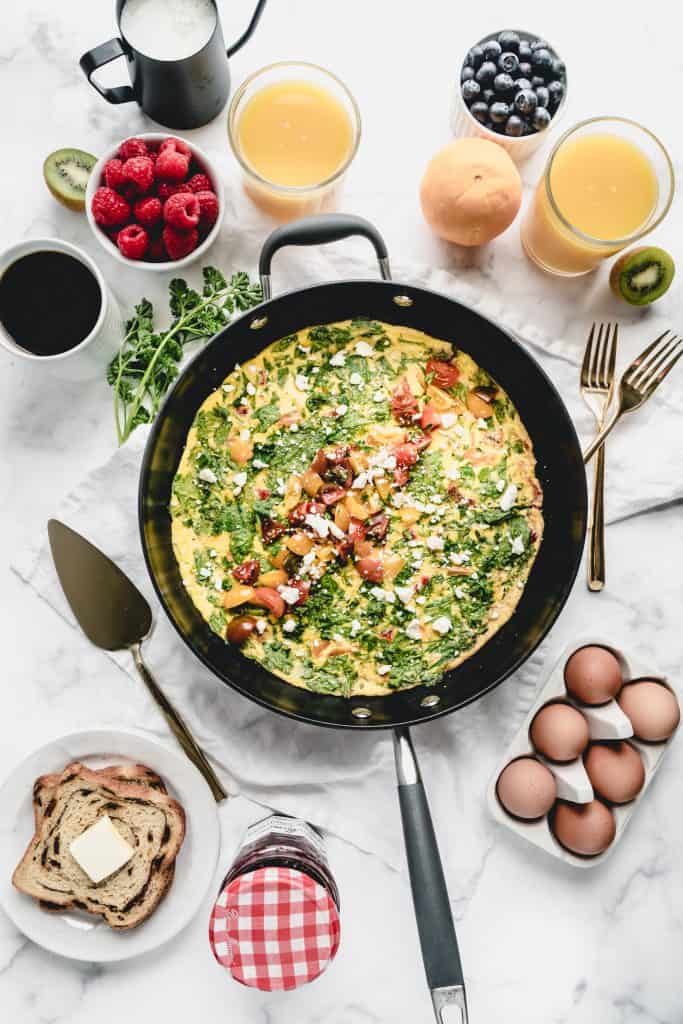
column 559, row 732
column 586, row 829
column 652, row 708
column 616, row 771
column 526, row 788
column 593, row 675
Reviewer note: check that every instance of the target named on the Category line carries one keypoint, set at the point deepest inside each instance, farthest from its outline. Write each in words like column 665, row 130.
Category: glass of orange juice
column 294, row 128
column 607, row 182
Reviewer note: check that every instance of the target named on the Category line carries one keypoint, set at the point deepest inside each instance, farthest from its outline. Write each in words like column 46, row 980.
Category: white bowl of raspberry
column 155, row 201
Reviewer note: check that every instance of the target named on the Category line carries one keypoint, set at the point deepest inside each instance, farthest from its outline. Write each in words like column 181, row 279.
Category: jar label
column 292, row 828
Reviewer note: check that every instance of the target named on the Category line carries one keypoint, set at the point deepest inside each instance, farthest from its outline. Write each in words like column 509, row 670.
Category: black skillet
column 560, row 471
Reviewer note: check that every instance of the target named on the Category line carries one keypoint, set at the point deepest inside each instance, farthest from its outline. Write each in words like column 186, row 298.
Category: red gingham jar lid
column 274, row 928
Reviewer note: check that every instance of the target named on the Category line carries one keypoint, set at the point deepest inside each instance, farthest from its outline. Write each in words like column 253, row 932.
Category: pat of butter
column 101, row 850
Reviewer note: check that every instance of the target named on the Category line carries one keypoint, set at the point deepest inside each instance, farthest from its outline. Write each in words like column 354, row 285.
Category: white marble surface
column 541, row 944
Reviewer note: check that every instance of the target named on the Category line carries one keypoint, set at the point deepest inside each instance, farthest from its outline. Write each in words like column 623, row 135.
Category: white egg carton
column 605, row 722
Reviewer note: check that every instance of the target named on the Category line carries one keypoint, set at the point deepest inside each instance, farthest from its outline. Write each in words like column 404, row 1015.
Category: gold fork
column 597, row 386
column 640, row 381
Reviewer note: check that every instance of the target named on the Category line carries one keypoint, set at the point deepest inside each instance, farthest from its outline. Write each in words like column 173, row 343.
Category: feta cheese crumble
column 363, row 349
column 301, row 381
column 338, row 359
column 413, row 630
column 290, row 595
column 207, row 475
column 442, row 625
column 508, row 497
column 318, row 523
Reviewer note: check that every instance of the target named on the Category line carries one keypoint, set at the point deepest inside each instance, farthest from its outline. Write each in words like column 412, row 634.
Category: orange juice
column 295, row 133
column 605, row 187
column 294, row 128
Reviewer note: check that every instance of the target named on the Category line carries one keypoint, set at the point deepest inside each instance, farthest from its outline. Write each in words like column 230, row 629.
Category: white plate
column 81, row 936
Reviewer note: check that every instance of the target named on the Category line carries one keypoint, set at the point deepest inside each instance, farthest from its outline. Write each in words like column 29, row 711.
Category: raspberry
column 208, row 208
column 132, row 242
column 164, row 190
column 179, row 243
column 181, row 211
column 199, row 183
column 113, row 174
column 139, row 170
column 109, row 208
column 176, row 146
column 171, row 165
column 148, row 210
column 156, row 252
column 132, row 147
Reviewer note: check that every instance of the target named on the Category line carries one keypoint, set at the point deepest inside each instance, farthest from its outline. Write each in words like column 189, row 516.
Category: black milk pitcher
column 185, row 93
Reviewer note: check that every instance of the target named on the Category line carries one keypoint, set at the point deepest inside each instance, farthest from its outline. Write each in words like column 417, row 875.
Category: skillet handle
column 326, row 227
column 430, row 896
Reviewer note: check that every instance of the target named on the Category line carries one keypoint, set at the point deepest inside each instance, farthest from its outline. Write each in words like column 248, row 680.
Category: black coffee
column 49, row 302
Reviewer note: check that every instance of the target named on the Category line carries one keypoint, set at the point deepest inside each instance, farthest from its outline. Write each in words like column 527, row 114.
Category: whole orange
column 471, row 191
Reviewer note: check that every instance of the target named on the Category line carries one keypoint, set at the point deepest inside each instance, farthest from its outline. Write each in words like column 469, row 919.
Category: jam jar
column 275, row 924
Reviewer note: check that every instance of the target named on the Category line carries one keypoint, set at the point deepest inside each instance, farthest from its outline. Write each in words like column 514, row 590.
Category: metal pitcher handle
column 97, row 58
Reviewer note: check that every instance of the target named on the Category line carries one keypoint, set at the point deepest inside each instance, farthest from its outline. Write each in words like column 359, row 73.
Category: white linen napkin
column 340, row 781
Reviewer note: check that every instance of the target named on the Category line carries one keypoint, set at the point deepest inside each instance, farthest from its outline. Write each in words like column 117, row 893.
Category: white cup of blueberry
column 512, row 88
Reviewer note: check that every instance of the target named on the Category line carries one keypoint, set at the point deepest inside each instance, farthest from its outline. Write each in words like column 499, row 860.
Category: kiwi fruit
column 66, row 173
column 642, row 275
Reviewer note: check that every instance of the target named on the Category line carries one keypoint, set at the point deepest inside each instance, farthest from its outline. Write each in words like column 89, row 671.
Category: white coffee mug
column 90, row 357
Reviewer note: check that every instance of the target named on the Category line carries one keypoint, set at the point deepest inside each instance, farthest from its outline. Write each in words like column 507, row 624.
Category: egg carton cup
column 605, row 722
column 464, row 126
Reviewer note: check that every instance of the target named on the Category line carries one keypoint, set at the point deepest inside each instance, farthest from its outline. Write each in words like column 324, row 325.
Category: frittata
column 357, row 507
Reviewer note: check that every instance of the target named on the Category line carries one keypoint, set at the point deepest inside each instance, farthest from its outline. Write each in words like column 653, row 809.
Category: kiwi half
column 642, row 275
column 66, row 173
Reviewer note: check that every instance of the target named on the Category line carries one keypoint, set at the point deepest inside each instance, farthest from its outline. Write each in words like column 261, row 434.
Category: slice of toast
column 150, row 821
column 45, row 785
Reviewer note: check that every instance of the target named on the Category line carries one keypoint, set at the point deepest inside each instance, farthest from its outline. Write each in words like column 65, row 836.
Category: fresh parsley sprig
column 148, row 361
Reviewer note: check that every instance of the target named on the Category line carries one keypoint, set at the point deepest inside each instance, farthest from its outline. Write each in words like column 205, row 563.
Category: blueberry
column 556, row 91
column 470, row 91
column 526, row 102
column 525, row 69
column 480, row 111
column 541, row 119
column 522, row 83
column 474, row 57
column 542, row 62
column 503, row 84
column 492, row 50
column 542, row 96
column 524, row 51
column 540, row 44
column 514, row 126
column 509, row 63
column 467, row 73
column 488, row 96
column 559, row 69
column 499, row 112
column 536, row 81
column 509, row 41
column 486, row 73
